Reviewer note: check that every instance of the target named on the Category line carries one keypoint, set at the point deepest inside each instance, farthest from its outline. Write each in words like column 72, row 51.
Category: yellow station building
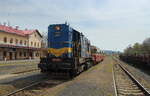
column 18, row 44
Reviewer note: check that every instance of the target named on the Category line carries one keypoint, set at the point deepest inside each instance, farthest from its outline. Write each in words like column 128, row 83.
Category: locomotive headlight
column 57, row 27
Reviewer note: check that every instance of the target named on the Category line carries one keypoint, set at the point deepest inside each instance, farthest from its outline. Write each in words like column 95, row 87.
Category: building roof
column 16, row 31
column 27, row 32
column 11, row 30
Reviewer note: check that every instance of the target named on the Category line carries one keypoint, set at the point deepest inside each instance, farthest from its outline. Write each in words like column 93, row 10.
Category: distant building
column 18, row 44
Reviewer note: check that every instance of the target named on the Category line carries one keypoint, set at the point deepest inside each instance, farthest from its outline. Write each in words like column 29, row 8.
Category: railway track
column 38, row 86
column 26, row 71
column 125, row 83
column 13, row 93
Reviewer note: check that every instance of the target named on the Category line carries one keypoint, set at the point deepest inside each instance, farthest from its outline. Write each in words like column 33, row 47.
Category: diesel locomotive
column 68, row 51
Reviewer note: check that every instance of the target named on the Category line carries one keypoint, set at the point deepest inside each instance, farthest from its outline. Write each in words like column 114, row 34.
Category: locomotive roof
column 71, row 28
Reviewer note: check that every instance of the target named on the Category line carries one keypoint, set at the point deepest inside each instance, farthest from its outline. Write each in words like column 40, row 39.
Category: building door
column 10, row 55
column 4, row 55
column 15, row 55
column 31, row 55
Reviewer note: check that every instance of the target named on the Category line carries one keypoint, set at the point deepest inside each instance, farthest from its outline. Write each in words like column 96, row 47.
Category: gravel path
column 96, row 81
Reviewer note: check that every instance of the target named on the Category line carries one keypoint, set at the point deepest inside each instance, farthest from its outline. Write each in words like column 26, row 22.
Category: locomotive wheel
column 73, row 73
column 85, row 67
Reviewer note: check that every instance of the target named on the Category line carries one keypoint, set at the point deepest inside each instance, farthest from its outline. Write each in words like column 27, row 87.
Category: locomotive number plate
column 56, row 60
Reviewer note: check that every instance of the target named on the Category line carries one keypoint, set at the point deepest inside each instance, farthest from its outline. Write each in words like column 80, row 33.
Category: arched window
column 11, row 40
column 20, row 42
column 35, row 44
column 16, row 41
column 38, row 44
column 5, row 39
column 31, row 43
column 25, row 42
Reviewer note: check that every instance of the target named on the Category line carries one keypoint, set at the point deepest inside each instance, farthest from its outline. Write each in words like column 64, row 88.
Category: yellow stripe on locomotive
column 60, row 51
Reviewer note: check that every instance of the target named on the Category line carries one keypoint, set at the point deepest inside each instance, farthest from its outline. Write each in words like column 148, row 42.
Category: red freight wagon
column 97, row 58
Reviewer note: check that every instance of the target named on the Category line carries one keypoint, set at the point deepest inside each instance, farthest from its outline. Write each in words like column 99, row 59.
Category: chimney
column 8, row 23
column 17, row 27
column 4, row 23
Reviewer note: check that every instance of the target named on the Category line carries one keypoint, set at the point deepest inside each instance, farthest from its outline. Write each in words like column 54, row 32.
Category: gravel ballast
column 141, row 76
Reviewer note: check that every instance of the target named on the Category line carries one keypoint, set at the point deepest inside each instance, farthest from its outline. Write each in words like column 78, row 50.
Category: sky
column 108, row 24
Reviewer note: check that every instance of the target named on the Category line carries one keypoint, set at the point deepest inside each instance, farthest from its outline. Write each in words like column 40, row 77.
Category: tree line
column 137, row 48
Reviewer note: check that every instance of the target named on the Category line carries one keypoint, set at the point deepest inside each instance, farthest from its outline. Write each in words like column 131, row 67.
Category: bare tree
column 146, row 46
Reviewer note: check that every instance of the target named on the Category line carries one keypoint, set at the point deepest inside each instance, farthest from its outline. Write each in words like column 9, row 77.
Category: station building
column 18, row 44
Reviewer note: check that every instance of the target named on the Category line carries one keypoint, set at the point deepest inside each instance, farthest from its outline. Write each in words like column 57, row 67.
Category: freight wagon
column 97, row 55
column 142, row 60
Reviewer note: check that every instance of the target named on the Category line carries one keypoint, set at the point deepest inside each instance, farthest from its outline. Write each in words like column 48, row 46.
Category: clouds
column 110, row 24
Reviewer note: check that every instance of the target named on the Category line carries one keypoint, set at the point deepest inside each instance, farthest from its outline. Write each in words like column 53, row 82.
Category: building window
column 11, row 40
column 20, row 42
column 5, row 39
column 35, row 44
column 16, row 41
column 38, row 44
column 25, row 42
column 31, row 43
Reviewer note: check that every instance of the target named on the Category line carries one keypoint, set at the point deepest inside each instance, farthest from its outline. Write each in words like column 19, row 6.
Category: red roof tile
column 28, row 31
column 15, row 31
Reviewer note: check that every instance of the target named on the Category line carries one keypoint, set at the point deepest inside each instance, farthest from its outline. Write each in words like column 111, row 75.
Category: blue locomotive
column 68, row 51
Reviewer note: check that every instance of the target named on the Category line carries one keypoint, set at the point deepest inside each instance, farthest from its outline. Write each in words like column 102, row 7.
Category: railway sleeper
column 128, row 85
column 131, row 94
column 130, row 90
